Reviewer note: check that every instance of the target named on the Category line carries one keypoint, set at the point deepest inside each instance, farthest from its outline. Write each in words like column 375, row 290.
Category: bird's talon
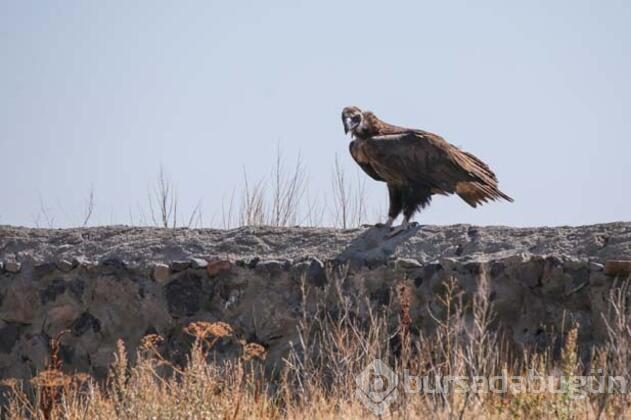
column 395, row 231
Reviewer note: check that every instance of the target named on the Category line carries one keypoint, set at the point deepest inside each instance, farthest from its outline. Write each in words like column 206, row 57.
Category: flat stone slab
column 146, row 245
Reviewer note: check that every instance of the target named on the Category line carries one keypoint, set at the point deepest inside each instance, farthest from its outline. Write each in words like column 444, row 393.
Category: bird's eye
column 355, row 118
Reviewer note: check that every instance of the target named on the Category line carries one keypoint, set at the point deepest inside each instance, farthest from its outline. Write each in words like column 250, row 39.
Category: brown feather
column 417, row 156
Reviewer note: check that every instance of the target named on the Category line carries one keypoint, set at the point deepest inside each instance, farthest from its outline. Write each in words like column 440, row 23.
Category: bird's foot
column 396, row 231
column 399, row 229
column 388, row 223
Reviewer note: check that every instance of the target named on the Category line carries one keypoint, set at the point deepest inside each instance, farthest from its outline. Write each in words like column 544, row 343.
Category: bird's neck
column 373, row 126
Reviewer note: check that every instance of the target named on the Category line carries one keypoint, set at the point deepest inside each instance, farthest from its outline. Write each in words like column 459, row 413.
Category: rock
column 54, row 289
column 9, row 334
column 407, row 264
column 85, row 323
column 316, row 274
column 253, row 262
column 199, row 263
column 76, row 287
column 103, row 358
column 44, row 269
column 79, row 260
column 34, row 348
column 20, row 303
column 65, row 266
column 161, row 273
column 12, row 267
column 178, row 266
column 61, row 317
column 425, row 243
column 114, row 262
column 215, row 268
column 448, row 263
column 310, row 271
column 620, row 268
column 184, row 295
column 271, row 266
column 536, row 278
column 82, row 261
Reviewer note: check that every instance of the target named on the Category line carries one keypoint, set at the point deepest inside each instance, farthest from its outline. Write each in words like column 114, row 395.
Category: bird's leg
column 388, row 223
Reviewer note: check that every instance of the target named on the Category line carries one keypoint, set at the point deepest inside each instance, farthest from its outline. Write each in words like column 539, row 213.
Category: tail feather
column 475, row 193
column 481, row 166
column 484, row 187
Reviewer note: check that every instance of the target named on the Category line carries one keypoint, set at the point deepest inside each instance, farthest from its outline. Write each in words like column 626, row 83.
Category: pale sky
column 100, row 94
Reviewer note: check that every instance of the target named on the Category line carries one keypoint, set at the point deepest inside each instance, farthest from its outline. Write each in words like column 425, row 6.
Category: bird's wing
column 419, row 157
column 365, row 166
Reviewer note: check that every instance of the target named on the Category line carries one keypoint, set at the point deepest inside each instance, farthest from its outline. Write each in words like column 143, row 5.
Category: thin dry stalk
column 252, row 203
column 163, row 201
column 287, row 191
column 341, row 196
column 88, row 207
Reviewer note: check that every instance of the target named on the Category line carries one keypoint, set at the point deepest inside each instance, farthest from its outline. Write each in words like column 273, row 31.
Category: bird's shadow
column 375, row 245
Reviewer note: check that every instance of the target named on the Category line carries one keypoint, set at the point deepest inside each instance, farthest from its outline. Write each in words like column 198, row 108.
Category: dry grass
column 339, row 335
column 282, row 197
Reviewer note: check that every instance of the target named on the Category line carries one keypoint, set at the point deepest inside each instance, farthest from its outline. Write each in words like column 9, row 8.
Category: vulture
column 416, row 164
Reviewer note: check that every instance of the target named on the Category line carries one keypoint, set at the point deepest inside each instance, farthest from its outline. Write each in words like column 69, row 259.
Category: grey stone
column 448, row 263
column 9, row 334
column 199, row 263
column 76, row 287
column 272, row 266
column 12, row 266
column 253, row 262
column 84, row 323
column 21, row 303
column 54, row 289
column 178, row 266
column 83, row 262
column 218, row 267
column 311, row 271
column 44, row 269
column 33, row 348
column 184, row 295
column 65, row 266
column 161, row 273
column 61, row 317
column 316, row 274
column 114, row 262
column 407, row 264
column 79, row 260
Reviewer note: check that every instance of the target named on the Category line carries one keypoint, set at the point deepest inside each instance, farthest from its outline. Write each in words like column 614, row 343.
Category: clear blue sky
column 102, row 93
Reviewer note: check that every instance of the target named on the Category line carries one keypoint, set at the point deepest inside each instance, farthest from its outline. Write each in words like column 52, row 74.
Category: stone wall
column 102, row 284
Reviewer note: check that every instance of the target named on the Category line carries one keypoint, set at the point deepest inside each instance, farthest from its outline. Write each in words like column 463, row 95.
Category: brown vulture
column 416, row 164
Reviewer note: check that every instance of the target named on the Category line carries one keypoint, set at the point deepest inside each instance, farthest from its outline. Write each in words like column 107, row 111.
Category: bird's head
column 352, row 118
